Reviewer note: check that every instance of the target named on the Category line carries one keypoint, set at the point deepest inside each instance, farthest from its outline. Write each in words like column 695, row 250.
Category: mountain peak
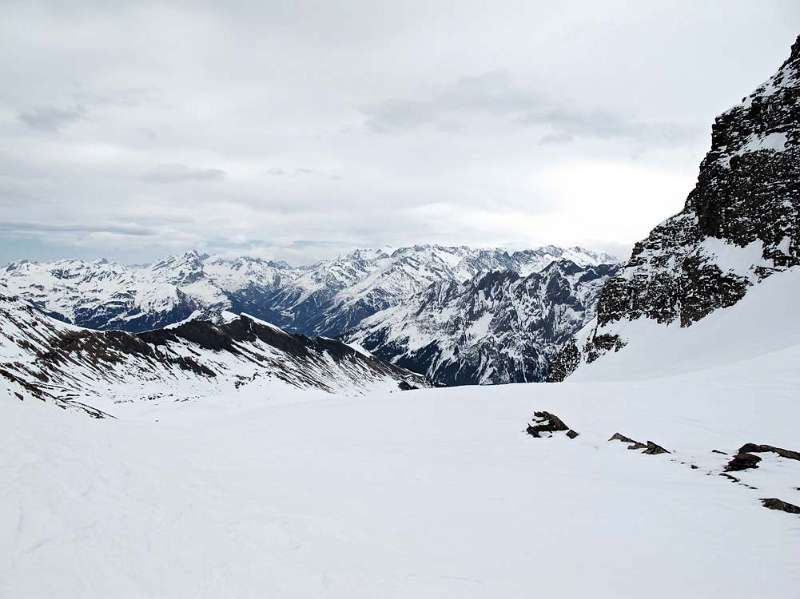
column 738, row 225
column 795, row 52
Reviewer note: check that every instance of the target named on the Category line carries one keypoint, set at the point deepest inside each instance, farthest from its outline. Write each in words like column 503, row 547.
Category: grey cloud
column 50, row 118
column 180, row 173
column 280, row 172
column 555, row 138
column 491, row 92
column 566, row 125
column 282, row 88
column 318, row 243
column 495, row 94
column 34, row 228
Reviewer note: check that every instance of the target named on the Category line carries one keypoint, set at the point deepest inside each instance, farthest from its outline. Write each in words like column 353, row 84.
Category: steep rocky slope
column 500, row 327
column 739, row 225
column 43, row 358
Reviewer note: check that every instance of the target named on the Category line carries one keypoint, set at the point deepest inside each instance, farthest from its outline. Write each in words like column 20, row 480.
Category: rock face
column 739, row 224
column 43, row 358
column 497, row 328
column 327, row 298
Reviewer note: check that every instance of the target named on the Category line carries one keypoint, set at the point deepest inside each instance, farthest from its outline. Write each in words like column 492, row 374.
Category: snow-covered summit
column 327, row 298
column 499, row 327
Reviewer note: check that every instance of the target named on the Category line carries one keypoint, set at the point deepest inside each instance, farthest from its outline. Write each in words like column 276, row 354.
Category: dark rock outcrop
column 497, row 328
column 773, row 503
column 632, row 443
column 747, row 194
column 742, row 461
column 649, row 448
column 544, row 424
column 784, row 453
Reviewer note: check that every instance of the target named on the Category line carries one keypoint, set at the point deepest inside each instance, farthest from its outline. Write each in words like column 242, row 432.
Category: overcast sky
column 297, row 130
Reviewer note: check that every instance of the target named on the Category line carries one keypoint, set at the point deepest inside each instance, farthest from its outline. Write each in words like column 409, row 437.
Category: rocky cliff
column 500, row 327
column 739, row 225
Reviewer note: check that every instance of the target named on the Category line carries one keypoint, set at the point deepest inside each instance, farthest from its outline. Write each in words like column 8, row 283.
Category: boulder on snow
column 650, row 448
column 545, row 423
column 773, row 503
column 742, row 461
column 632, row 443
column 654, row 449
column 784, row 453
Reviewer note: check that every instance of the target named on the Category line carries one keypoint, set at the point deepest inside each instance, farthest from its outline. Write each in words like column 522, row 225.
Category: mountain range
column 326, row 298
column 663, row 463
column 509, row 312
column 464, row 316
column 499, row 327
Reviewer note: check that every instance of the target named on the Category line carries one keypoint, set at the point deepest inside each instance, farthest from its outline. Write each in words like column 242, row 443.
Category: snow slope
column 763, row 322
column 43, row 358
column 430, row 493
column 425, row 494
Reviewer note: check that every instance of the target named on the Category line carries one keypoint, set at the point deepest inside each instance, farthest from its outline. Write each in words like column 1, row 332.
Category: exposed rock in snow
column 742, row 461
column 649, row 448
column 784, row 453
column 544, row 424
column 773, row 503
column 314, row 485
column 740, row 224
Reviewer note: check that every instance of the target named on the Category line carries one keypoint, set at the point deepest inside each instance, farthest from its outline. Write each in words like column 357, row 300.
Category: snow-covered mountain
column 739, row 225
column 500, row 327
column 433, row 493
column 104, row 295
column 667, row 469
column 44, row 358
column 325, row 299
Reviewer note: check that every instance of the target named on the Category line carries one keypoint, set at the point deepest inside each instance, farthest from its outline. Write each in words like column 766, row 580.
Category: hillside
column 96, row 372
column 205, row 493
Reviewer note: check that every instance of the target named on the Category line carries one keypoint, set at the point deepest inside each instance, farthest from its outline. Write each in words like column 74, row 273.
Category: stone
column 545, row 423
column 742, row 461
column 773, row 503
column 784, row 453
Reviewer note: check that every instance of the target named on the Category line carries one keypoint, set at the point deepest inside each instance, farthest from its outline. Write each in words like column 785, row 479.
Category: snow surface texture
column 496, row 328
column 431, row 493
column 324, row 299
